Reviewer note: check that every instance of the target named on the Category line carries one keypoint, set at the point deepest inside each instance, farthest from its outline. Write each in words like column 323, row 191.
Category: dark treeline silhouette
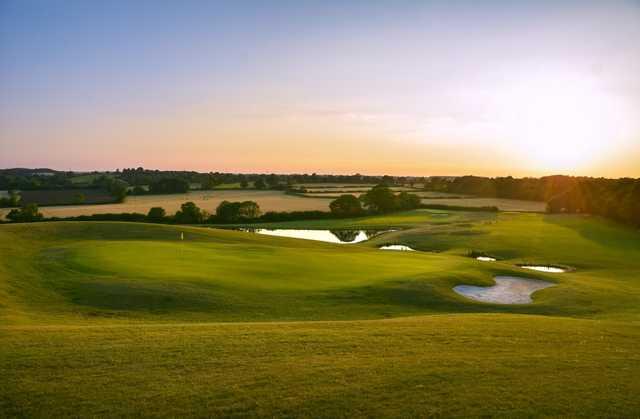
column 531, row 189
column 35, row 179
column 618, row 199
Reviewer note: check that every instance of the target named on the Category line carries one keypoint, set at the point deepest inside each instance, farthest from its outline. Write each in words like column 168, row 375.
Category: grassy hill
column 112, row 319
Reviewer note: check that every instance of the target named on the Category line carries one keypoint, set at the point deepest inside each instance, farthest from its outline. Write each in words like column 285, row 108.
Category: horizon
column 406, row 89
column 307, row 173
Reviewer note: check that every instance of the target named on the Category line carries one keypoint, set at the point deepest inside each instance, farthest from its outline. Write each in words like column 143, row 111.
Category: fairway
column 200, row 326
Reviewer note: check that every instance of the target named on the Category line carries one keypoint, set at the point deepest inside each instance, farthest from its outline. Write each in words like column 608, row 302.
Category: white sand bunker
column 543, row 268
column 486, row 258
column 397, row 247
column 508, row 290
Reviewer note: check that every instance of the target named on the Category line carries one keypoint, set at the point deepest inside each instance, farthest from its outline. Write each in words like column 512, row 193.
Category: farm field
column 239, row 324
column 208, row 200
column 88, row 178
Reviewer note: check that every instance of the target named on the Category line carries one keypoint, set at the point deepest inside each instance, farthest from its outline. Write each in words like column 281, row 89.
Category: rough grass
column 455, row 365
column 125, row 319
column 501, row 203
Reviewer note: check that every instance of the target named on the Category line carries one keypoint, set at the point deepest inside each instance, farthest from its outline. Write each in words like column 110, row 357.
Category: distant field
column 334, row 191
column 87, row 178
column 208, row 200
column 429, row 194
column 335, row 185
column 341, row 188
column 235, row 185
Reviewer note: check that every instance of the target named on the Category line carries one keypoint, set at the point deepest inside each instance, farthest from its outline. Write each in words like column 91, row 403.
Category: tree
column 379, row 199
column 118, row 189
column 273, row 180
column 138, row 190
column 235, row 211
column 407, row 201
column 10, row 201
column 259, row 183
column 387, row 180
column 249, row 210
column 244, row 184
column 226, row 211
column 156, row 214
column 210, row 182
column 169, row 185
column 189, row 213
column 27, row 213
column 346, row 205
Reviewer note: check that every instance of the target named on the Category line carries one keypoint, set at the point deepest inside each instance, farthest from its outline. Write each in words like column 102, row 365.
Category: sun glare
column 560, row 123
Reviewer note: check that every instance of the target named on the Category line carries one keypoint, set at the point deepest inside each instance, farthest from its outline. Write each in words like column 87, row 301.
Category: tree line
column 38, row 179
column 618, row 199
column 380, row 199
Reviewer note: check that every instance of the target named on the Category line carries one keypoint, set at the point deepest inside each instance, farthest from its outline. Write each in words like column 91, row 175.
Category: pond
column 507, row 290
column 545, row 268
column 486, row 258
column 329, row 236
column 401, row 247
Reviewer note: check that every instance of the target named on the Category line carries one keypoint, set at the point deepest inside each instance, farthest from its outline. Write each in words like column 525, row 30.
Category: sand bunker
column 397, row 247
column 508, row 290
column 543, row 268
column 486, row 259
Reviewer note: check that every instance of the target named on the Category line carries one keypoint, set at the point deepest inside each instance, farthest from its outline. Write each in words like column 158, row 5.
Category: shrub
column 156, row 214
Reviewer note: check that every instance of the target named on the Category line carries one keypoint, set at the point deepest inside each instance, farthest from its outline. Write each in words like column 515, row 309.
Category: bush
column 229, row 212
column 190, row 213
column 407, row 201
column 156, row 214
column 379, row 199
column 27, row 213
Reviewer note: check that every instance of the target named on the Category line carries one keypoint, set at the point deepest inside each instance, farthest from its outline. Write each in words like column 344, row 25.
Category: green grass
column 455, row 365
column 122, row 319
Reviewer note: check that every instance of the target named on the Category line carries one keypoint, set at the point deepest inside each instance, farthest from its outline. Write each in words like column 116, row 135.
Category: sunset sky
column 376, row 87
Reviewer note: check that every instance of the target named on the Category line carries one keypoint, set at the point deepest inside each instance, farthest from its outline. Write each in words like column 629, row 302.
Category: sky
column 494, row 88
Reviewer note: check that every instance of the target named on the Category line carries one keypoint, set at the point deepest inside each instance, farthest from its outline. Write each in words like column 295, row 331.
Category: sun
column 560, row 122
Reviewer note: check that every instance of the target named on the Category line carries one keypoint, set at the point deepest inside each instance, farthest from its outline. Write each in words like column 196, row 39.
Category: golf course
column 139, row 319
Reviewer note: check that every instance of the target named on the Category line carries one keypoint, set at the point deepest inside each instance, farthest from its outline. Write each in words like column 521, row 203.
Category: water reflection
column 543, row 268
column 329, row 236
column 400, row 247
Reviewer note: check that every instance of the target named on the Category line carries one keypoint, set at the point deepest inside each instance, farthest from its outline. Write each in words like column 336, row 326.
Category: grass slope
column 121, row 319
